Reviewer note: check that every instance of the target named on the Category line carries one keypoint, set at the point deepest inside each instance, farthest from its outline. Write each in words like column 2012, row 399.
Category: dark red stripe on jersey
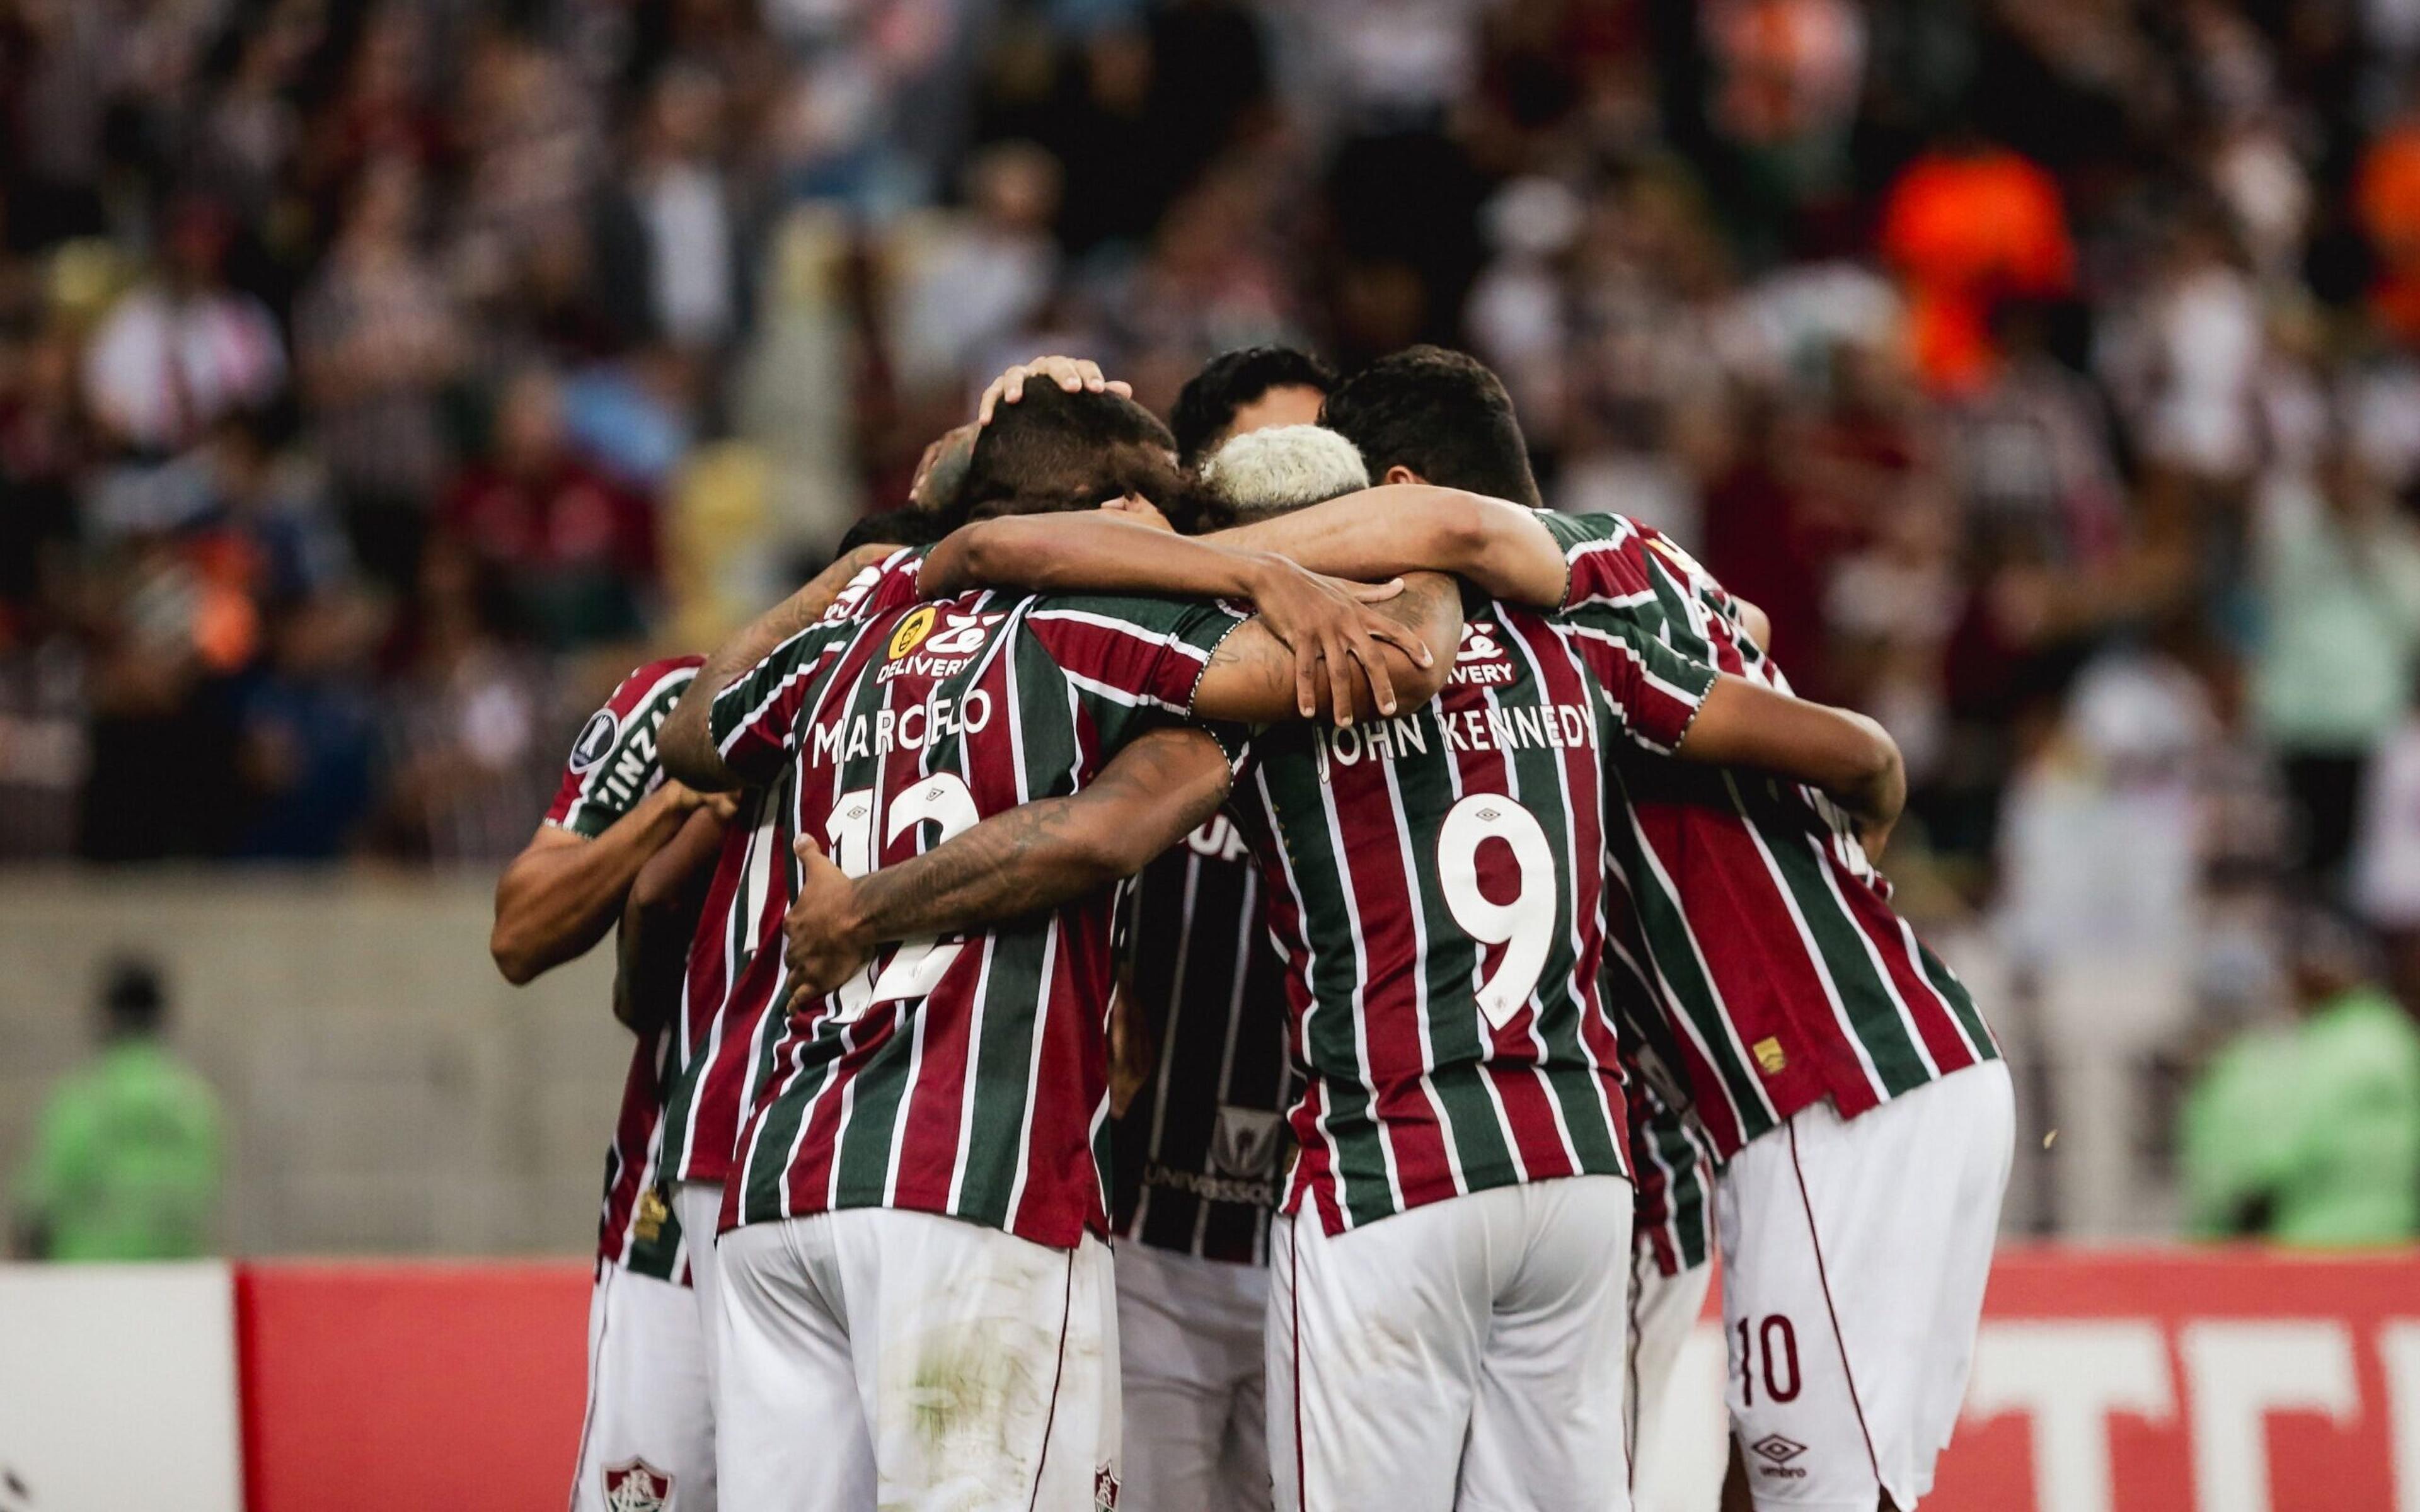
column 1934, row 1023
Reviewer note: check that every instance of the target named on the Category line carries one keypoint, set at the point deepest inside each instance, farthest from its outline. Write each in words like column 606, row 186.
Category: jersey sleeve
column 1652, row 691
column 1136, row 662
column 1612, row 561
column 890, row 583
column 613, row 764
column 753, row 721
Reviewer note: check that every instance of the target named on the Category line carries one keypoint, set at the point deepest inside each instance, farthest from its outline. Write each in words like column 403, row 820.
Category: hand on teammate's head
column 1076, row 375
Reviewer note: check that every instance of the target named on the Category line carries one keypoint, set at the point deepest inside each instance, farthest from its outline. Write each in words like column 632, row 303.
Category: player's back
column 1436, row 885
column 964, row 1076
column 1761, row 965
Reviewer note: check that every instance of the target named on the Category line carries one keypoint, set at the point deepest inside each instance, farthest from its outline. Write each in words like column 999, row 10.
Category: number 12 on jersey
column 917, row 967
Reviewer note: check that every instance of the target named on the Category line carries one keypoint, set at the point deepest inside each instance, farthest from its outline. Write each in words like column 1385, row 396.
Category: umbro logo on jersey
column 1778, row 1452
column 1482, row 658
column 636, row 1485
column 596, row 739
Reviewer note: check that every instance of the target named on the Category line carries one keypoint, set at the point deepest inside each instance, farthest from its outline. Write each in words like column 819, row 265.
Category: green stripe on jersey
column 1329, row 1043
column 1672, row 950
column 1450, row 1024
column 1839, row 948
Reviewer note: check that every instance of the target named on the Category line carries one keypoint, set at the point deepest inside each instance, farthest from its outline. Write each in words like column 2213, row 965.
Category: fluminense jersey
column 1765, row 970
column 965, row 1077
column 1436, row 886
column 723, row 1043
column 612, row 765
column 1199, row 1153
column 1673, row 1166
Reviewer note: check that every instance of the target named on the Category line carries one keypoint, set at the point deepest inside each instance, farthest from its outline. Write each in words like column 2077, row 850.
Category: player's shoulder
column 643, row 697
column 881, row 584
column 1140, row 613
column 651, row 679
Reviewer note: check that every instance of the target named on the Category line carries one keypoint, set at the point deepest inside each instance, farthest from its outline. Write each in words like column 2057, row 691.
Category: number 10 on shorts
column 1768, row 1347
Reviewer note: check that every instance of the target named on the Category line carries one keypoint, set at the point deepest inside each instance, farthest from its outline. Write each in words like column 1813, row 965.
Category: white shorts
column 647, row 1438
column 1465, row 1355
column 874, row 1357
column 1854, row 1255
column 698, row 1207
column 1190, row 1338
column 1663, row 1309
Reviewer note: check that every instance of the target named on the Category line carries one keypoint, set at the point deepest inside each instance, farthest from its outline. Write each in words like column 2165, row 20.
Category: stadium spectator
column 2310, row 1134
column 127, row 1160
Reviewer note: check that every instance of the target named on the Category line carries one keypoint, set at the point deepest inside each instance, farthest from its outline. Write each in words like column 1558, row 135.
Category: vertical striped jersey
column 960, row 1077
column 612, row 765
column 722, row 1046
column 1673, row 1167
column 1436, row 886
column 1198, row 1152
column 1762, row 966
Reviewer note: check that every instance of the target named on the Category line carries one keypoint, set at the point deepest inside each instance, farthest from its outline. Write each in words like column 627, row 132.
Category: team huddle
column 1252, row 965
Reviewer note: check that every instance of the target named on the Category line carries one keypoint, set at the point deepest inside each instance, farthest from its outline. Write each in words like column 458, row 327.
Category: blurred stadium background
column 379, row 381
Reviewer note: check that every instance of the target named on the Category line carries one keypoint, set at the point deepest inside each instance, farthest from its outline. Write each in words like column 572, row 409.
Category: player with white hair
column 1264, row 473
column 1201, row 1057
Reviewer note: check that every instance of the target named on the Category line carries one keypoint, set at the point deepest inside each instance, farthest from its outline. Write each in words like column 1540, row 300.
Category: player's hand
column 1076, row 375
column 1327, row 621
column 687, row 799
column 1136, row 509
column 823, row 939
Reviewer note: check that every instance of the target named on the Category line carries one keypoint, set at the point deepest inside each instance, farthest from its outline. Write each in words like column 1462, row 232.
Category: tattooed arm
column 1028, row 860
column 687, row 751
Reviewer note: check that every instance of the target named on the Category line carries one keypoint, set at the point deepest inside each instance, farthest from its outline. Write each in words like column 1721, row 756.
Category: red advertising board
column 2166, row 1381
column 2210, row 1380
column 401, row 1387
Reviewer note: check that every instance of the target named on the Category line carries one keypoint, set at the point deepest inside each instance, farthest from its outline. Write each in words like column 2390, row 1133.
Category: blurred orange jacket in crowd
column 2386, row 196
column 1965, row 228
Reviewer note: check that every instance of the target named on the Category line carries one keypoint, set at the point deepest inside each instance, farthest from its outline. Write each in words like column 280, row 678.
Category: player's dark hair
column 1054, row 451
column 1206, row 406
column 906, row 526
column 1443, row 414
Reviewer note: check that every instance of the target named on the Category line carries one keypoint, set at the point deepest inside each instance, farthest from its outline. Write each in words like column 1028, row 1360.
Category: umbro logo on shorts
column 1779, row 1452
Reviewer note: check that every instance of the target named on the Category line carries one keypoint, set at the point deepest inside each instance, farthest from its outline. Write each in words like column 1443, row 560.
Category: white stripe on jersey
column 1127, row 629
column 1309, row 967
column 1359, row 1007
column 1806, row 940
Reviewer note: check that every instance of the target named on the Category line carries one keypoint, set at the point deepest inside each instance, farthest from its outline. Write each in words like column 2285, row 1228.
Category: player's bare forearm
column 559, row 896
column 1500, row 546
column 687, row 748
column 1093, row 553
column 1329, row 627
column 1030, row 859
column 1251, row 678
column 659, row 919
column 1847, row 755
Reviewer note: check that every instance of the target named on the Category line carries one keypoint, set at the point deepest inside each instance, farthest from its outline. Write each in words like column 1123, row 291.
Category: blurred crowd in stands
column 377, row 380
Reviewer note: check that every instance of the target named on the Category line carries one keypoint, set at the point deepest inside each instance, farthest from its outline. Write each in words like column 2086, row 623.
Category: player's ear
column 1400, row 473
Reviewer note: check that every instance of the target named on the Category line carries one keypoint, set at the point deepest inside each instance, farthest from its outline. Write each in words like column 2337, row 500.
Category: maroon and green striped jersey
column 1762, row 966
column 1438, row 886
column 1673, row 1166
column 723, row 1037
column 960, row 1077
column 612, row 765
column 1199, row 1153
